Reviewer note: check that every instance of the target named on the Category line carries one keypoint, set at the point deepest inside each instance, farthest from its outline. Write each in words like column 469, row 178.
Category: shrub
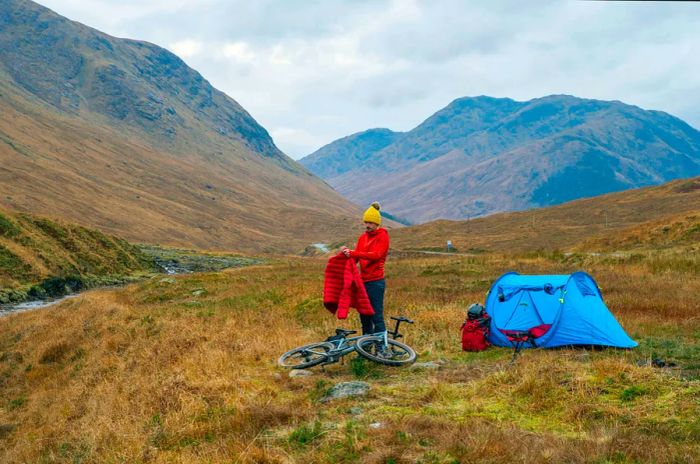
column 8, row 228
column 12, row 265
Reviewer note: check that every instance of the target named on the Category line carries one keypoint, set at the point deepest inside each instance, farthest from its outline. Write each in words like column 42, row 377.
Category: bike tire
column 402, row 353
column 310, row 355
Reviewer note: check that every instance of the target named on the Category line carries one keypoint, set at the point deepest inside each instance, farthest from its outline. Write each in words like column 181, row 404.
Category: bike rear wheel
column 397, row 353
column 306, row 356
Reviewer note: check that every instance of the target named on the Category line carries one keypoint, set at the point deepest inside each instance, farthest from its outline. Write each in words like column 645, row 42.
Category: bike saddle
column 344, row 333
column 402, row 319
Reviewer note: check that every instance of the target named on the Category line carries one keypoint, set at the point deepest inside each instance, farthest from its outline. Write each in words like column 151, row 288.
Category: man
column 371, row 250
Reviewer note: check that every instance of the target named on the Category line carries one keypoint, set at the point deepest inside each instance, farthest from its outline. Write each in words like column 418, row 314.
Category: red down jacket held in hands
column 343, row 288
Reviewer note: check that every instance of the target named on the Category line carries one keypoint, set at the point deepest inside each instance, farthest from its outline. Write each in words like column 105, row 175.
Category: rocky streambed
column 179, row 261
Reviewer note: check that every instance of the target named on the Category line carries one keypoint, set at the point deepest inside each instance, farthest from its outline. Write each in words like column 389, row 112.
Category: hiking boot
column 382, row 351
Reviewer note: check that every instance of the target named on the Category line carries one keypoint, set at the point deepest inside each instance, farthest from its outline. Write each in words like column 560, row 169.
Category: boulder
column 425, row 365
column 346, row 389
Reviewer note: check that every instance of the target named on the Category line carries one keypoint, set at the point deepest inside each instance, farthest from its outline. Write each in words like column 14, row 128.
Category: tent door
column 525, row 314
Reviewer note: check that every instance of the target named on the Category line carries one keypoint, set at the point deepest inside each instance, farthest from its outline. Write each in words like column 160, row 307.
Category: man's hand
column 345, row 250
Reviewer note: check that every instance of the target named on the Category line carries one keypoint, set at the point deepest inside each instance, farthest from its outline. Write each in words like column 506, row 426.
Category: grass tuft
column 306, row 434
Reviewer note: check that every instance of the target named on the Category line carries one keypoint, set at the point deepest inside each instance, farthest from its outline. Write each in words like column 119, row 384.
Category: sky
column 313, row 71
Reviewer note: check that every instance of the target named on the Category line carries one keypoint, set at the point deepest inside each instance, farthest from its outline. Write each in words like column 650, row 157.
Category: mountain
column 349, row 153
column 482, row 155
column 122, row 135
column 658, row 216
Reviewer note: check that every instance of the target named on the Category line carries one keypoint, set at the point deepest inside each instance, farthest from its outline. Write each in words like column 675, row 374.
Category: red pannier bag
column 475, row 334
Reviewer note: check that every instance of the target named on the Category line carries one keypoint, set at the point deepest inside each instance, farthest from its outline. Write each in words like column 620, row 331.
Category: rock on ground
column 425, row 365
column 346, row 389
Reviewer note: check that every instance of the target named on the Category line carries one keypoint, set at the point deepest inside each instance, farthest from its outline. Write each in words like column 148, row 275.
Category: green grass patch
column 17, row 403
column 306, row 434
column 674, row 351
column 630, row 393
column 362, row 368
column 306, row 311
column 8, row 228
column 12, row 265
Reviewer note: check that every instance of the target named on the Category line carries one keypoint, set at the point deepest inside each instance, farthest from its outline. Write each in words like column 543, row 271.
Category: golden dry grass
column 598, row 220
column 662, row 233
column 152, row 373
column 212, row 193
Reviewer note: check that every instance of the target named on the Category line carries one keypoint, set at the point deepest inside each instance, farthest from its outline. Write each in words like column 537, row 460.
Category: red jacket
column 371, row 250
column 343, row 288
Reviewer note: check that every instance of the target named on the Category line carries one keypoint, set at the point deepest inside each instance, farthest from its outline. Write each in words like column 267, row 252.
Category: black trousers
column 375, row 292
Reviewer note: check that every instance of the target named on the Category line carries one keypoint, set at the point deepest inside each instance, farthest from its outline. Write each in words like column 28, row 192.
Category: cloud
column 238, row 51
column 186, row 48
column 296, row 138
column 318, row 70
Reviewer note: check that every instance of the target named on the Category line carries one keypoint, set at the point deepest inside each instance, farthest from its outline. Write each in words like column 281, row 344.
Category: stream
column 12, row 308
column 170, row 261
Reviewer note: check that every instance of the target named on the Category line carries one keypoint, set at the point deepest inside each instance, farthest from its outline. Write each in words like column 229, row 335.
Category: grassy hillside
column 671, row 231
column 122, row 136
column 185, row 372
column 63, row 167
column 34, row 249
column 664, row 215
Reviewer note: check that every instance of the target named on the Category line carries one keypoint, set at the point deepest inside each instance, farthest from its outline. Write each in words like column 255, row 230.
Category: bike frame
column 346, row 345
column 340, row 344
column 343, row 346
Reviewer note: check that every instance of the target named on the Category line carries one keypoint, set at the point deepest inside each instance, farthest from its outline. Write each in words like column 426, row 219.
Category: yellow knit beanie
column 372, row 214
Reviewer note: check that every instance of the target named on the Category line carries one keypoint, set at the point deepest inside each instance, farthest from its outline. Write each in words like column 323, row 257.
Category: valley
column 159, row 252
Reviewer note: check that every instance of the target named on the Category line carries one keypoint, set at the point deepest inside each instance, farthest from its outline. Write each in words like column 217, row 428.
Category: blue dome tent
column 551, row 310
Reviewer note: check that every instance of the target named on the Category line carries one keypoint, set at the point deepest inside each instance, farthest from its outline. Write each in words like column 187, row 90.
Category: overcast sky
column 314, row 71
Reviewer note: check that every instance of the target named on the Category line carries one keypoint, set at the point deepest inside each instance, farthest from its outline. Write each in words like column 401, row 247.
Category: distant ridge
column 481, row 155
column 349, row 153
column 659, row 216
column 122, row 135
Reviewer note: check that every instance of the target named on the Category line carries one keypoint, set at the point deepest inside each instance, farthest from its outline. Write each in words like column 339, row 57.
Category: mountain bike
column 376, row 347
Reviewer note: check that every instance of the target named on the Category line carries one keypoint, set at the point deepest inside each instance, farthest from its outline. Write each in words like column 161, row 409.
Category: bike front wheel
column 306, row 356
column 394, row 354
